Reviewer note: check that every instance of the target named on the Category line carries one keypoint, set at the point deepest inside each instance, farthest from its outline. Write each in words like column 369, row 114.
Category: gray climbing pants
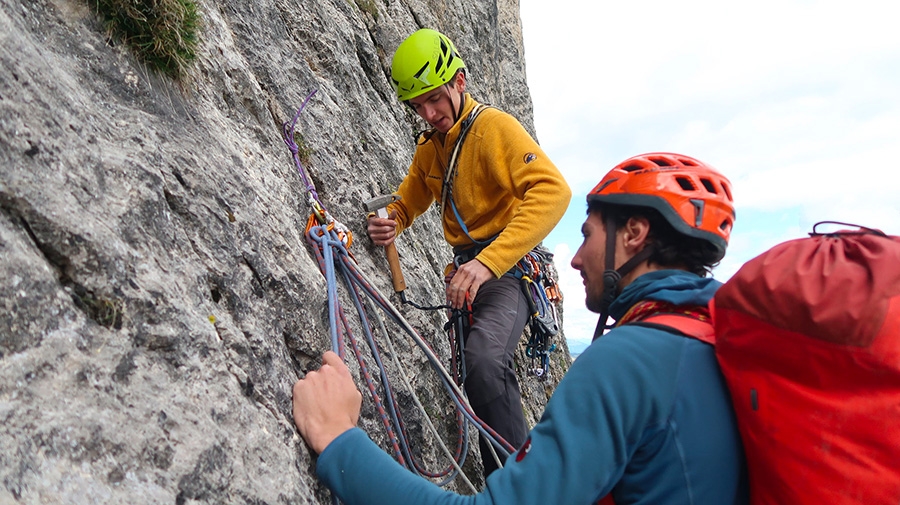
column 500, row 312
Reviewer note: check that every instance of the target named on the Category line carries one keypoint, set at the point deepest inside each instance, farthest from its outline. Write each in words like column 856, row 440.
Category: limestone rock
column 157, row 296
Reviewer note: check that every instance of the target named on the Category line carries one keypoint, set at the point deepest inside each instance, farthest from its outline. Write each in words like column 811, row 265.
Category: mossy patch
column 369, row 7
column 163, row 34
column 304, row 151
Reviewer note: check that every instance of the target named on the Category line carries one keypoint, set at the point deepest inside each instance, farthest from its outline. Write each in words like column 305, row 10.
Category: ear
column 460, row 81
column 634, row 234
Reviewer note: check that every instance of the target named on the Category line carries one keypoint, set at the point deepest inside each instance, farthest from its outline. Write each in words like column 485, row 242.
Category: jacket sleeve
column 575, row 454
column 359, row 472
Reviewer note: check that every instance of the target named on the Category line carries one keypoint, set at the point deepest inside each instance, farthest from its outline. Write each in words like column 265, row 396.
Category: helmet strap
column 462, row 102
column 612, row 276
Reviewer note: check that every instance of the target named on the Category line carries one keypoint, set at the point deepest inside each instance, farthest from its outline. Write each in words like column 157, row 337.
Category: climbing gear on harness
column 693, row 197
column 425, row 60
column 543, row 297
column 540, row 290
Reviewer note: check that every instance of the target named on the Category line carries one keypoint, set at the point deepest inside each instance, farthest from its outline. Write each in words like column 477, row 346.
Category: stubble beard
column 594, row 301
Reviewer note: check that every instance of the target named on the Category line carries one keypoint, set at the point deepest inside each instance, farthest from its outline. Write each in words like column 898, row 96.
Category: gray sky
column 796, row 102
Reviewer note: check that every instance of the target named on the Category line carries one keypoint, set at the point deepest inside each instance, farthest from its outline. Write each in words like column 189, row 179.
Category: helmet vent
column 709, row 186
column 686, row 184
column 661, row 162
column 421, row 71
column 632, row 168
column 727, row 192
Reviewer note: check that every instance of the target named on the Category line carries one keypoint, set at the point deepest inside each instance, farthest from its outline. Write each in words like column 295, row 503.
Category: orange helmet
column 691, row 195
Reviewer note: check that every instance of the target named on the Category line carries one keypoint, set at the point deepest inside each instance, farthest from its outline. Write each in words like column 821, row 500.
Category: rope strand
column 330, row 241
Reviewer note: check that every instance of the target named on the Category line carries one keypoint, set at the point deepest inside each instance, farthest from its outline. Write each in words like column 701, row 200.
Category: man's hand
column 326, row 403
column 467, row 279
column 381, row 230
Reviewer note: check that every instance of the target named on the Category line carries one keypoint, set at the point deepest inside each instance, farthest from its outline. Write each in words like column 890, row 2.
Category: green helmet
column 425, row 60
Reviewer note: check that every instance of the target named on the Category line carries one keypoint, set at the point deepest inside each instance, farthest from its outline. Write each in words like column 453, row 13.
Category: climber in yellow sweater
column 499, row 195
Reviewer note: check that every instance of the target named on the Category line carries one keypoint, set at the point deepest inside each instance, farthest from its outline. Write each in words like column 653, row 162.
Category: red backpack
column 808, row 338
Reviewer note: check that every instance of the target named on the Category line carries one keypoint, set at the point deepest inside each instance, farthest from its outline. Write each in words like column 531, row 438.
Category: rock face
column 157, row 296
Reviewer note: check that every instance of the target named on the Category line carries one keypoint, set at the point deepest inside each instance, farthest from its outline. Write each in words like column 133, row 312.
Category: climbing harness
column 330, row 242
column 539, row 287
column 543, row 296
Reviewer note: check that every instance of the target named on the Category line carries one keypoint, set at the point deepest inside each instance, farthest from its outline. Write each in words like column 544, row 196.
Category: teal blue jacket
column 643, row 414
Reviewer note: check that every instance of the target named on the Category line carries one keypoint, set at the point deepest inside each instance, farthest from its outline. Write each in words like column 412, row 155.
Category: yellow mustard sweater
column 505, row 185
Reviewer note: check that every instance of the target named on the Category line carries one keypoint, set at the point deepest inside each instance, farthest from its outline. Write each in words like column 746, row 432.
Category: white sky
column 796, row 101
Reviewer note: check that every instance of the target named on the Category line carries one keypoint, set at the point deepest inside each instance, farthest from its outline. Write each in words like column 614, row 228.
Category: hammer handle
column 394, row 263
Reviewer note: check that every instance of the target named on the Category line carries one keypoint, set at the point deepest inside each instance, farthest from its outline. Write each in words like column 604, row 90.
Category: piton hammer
column 378, row 205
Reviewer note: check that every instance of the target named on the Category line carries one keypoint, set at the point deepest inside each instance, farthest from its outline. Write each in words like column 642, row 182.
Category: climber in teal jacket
column 642, row 416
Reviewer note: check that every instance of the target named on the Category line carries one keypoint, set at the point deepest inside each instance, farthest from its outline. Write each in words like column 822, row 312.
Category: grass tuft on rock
column 105, row 311
column 162, row 33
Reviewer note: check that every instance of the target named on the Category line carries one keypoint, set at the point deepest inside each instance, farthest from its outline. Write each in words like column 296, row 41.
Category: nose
column 576, row 260
column 428, row 112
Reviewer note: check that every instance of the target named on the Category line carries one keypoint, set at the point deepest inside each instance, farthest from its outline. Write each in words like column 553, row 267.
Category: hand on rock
column 326, row 403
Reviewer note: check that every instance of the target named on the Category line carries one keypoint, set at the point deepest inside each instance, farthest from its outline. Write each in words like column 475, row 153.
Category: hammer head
column 380, row 202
